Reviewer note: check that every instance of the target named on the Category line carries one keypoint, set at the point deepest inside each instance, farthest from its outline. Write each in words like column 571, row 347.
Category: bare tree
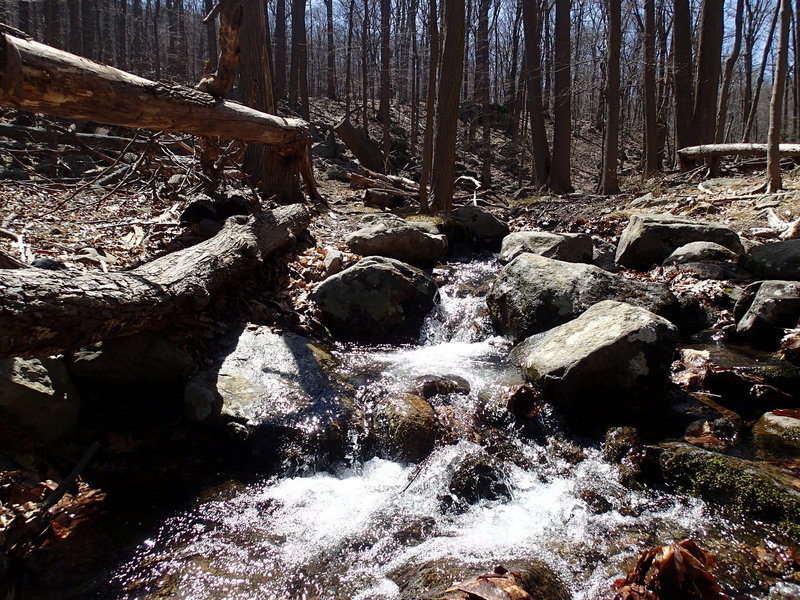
column 280, row 50
column 651, row 160
column 774, row 182
column 558, row 179
column 531, row 13
column 330, row 73
column 386, row 63
column 609, row 181
column 430, row 105
column 482, row 85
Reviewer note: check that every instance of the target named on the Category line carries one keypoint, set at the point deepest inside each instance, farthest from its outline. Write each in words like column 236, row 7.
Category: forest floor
column 117, row 216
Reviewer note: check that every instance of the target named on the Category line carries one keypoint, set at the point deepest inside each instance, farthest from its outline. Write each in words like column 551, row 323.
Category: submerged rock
column 778, row 432
column 569, row 247
column 38, row 400
column 429, row 386
column 276, row 392
column 752, row 488
column 780, row 260
column 533, row 293
column 394, row 237
column 614, row 355
column 478, row 476
column 377, row 299
column 767, row 308
column 649, row 239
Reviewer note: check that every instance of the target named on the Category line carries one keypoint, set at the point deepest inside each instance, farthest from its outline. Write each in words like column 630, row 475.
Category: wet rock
column 569, row 247
column 48, row 264
column 278, row 388
column 405, row 428
column 756, row 489
column 479, row 476
column 397, row 238
column 429, row 386
column 778, row 432
column 480, row 227
column 37, row 399
column 429, row 580
column 597, row 503
column 613, row 357
column 533, row 294
column 140, row 358
column 649, row 239
column 767, row 308
column 619, row 442
column 701, row 252
column 377, row 299
column 780, row 260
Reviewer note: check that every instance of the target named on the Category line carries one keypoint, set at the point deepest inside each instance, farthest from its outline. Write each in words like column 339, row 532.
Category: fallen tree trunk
column 749, row 150
column 39, row 78
column 360, row 145
column 45, row 312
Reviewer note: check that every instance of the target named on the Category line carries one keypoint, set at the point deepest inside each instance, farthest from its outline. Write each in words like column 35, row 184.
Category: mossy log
column 46, row 312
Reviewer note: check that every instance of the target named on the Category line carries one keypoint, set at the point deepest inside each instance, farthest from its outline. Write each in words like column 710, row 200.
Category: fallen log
column 367, row 153
column 42, row 79
column 46, row 312
column 749, row 150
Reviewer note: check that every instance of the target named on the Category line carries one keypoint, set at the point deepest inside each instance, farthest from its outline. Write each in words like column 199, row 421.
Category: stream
column 359, row 528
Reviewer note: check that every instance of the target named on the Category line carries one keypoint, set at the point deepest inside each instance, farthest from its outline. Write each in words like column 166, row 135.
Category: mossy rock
column 752, row 488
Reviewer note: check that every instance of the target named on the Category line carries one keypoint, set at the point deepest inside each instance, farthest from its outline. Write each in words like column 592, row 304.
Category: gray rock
column 701, row 252
column 533, row 293
column 480, row 227
column 479, row 476
column 778, row 433
column 569, row 247
column 394, row 237
column 278, row 388
column 649, row 239
column 613, row 355
column 377, row 299
column 38, row 398
column 780, row 260
column 405, row 427
column 323, row 150
column 333, row 262
column 766, row 308
column 141, row 358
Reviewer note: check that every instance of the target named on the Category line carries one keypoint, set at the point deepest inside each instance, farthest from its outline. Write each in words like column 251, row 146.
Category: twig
column 67, row 482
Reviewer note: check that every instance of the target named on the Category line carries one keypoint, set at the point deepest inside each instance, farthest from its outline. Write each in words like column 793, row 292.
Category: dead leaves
column 499, row 585
column 676, row 571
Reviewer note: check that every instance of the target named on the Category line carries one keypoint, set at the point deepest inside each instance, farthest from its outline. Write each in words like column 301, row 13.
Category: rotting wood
column 367, row 153
column 748, row 150
column 42, row 79
column 220, row 81
column 46, row 312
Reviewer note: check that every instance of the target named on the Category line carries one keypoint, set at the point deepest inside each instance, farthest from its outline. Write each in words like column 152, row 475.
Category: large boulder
column 533, row 293
column 140, row 358
column 275, row 391
column 479, row 227
column 569, row 247
column 767, row 308
column 405, row 427
column 649, row 239
column 614, row 355
column 392, row 236
column 377, row 299
column 701, row 252
column 780, row 260
column 38, row 400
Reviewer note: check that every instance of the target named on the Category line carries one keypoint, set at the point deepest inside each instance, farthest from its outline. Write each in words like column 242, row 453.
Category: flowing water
column 354, row 530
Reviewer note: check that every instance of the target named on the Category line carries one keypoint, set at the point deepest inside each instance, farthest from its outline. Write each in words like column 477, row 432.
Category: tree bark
column 430, row 106
column 221, row 80
column 361, row 146
column 558, row 180
column 774, row 182
column 650, row 163
column 46, row 312
column 482, row 83
column 682, row 73
column 709, row 58
column 385, row 83
column 609, row 182
column 280, row 50
column 444, row 153
column 751, row 116
column 531, row 13
column 330, row 72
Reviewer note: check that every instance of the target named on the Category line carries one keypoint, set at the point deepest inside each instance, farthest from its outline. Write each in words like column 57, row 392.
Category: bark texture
column 774, row 182
column 743, row 150
column 45, row 312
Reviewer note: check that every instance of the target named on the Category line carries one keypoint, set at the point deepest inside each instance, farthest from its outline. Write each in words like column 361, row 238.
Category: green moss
column 732, row 483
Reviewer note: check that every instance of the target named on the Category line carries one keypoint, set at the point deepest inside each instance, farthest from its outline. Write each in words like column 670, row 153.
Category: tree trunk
column 482, row 83
column 706, row 89
column 280, row 50
column 444, row 154
column 430, row 106
column 558, row 180
column 46, row 312
column 531, row 13
column 348, row 76
column 385, row 83
column 361, row 146
column 330, row 72
column 221, row 80
column 774, row 182
column 742, row 150
column 650, row 163
column 211, row 32
column 609, row 182
column 682, row 73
